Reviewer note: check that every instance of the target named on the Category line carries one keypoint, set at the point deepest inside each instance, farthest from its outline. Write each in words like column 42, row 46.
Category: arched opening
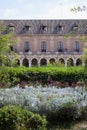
column 18, row 62
column 62, row 62
column 43, row 62
column 78, row 62
column 26, row 62
column 70, row 62
column 34, row 62
column 52, row 61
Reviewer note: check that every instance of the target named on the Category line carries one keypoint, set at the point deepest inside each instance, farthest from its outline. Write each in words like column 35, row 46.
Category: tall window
column 43, row 46
column 26, row 46
column 76, row 46
column 60, row 46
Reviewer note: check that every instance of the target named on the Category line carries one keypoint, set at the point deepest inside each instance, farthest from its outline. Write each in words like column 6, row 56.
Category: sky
column 41, row 9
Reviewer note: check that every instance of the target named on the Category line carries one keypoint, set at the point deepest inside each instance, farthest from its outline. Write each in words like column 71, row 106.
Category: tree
column 7, row 55
column 79, row 9
column 7, row 40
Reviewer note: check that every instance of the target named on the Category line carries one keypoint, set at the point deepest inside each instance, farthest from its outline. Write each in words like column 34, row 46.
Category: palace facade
column 47, row 41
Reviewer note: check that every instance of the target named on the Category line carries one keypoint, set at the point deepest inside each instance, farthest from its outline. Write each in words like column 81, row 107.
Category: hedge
column 13, row 76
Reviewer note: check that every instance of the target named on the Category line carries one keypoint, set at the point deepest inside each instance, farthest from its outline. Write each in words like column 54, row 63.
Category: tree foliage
column 7, row 41
column 79, row 9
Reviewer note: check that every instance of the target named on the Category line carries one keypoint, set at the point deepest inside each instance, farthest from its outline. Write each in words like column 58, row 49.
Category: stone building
column 46, row 41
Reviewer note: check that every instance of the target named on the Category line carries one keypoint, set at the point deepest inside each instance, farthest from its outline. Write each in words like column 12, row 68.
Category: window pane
column 43, row 46
column 76, row 45
column 60, row 45
column 26, row 46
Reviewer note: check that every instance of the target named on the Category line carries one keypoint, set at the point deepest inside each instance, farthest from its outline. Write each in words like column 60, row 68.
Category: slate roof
column 47, row 26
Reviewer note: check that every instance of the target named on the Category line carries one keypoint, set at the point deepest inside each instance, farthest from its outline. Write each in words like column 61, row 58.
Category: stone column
column 38, row 63
column 21, row 63
column 47, row 61
column 65, row 63
column 29, row 63
column 74, row 62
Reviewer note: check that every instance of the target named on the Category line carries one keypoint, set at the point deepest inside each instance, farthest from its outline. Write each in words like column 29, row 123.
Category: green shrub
column 66, row 113
column 15, row 118
column 4, row 78
column 8, row 78
column 40, row 74
column 83, row 113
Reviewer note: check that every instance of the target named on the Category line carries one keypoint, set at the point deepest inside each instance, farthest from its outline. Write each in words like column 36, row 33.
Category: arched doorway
column 26, row 62
column 78, row 62
column 52, row 61
column 70, row 62
column 34, row 62
column 62, row 62
column 18, row 62
column 43, row 62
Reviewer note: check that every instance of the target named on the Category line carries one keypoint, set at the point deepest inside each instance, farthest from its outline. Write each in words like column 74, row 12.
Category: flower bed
column 66, row 103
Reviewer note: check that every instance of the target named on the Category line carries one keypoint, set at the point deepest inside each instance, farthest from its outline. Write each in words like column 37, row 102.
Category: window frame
column 26, row 46
column 60, row 46
column 76, row 45
column 43, row 46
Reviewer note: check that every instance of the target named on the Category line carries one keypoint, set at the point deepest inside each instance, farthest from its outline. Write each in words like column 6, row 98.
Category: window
column 75, row 27
column 43, row 29
column 43, row 46
column 26, row 46
column 76, row 45
column 11, row 27
column 59, row 28
column 27, row 28
column 60, row 46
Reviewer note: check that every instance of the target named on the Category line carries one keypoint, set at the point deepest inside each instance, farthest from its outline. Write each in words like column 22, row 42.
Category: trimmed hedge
column 41, row 74
column 15, row 118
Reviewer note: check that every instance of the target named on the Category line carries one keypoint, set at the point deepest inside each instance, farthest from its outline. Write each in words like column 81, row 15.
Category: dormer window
column 27, row 27
column 75, row 27
column 43, row 28
column 59, row 28
column 11, row 27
